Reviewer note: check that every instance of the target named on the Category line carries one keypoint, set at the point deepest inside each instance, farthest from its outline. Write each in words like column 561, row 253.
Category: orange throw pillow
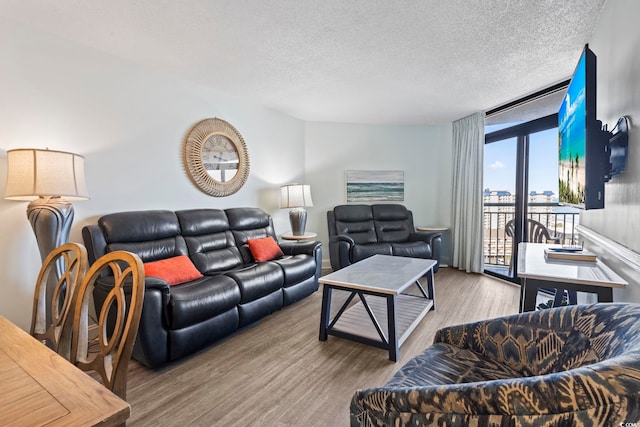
column 264, row 249
column 174, row 270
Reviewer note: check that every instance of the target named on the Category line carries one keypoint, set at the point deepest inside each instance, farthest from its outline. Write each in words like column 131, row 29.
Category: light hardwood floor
column 277, row 373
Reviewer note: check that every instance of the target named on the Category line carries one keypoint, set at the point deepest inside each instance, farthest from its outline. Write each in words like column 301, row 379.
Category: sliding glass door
column 520, row 191
column 500, row 171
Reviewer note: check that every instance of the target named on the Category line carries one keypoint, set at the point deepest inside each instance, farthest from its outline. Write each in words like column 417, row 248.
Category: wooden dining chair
column 118, row 319
column 61, row 272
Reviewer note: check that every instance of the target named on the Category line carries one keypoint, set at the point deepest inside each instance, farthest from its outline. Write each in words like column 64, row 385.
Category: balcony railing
column 561, row 221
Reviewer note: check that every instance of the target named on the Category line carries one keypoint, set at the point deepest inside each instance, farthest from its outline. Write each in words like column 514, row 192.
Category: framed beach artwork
column 369, row 186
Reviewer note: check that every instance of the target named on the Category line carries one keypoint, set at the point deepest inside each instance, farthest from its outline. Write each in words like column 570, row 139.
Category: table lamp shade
column 33, row 173
column 295, row 196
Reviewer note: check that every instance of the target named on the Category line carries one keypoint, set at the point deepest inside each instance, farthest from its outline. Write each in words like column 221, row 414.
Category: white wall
column 129, row 122
column 616, row 43
column 422, row 152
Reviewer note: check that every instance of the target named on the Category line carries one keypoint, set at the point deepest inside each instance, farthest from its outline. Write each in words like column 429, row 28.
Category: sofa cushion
column 390, row 212
column 361, row 252
column 152, row 235
column 394, row 223
column 264, row 249
column 297, row 268
column 209, row 240
column 139, row 226
column 253, row 311
column 442, row 364
column 201, row 299
column 258, row 280
column 173, row 270
column 199, row 222
column 249, row 223
column 411, row 249
column 356, row 221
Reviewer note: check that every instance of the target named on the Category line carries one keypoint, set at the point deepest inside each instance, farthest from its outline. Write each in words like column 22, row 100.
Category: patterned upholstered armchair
column 576, row 365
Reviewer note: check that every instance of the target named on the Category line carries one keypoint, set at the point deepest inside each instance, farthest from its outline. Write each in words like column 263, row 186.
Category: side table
column 308, row 235
column 445, row 242
column 435, row 229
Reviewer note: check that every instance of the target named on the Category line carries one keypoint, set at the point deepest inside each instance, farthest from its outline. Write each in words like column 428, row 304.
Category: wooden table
column 379, row 282
column 536, row 271
column 38, row 387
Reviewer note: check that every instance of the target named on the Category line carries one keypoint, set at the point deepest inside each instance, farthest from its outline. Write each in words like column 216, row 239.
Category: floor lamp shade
column 33, row 174
column 49, row 179
column 296, row 196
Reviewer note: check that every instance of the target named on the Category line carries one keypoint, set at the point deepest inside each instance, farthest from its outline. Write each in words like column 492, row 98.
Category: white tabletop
column 380, row 273
column 532, row 264
column 433, row 229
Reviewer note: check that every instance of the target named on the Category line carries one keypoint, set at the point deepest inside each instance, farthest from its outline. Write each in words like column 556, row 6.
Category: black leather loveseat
column 233, row 291
column 357, row 232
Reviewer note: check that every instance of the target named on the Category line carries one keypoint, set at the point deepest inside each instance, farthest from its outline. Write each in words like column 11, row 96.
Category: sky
column 500, row 163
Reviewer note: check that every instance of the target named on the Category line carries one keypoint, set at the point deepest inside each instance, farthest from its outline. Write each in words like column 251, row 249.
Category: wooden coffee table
column 383, row 316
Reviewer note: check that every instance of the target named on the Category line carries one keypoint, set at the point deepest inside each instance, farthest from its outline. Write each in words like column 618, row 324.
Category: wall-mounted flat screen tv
column 581, row 140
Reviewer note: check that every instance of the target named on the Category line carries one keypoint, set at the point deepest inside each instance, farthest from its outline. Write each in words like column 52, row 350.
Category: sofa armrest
column 308, row 247
column 340, row 251
column 106, row 283
column 342, row 238
column 312, row 248
column 152, row 338
column 576, row 391
column 425, row 236
column 94, row 241
column 151, row 285
column 434, row 239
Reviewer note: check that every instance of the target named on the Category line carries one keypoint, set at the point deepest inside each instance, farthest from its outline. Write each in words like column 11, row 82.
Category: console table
column 536, row 271
column 38, row 387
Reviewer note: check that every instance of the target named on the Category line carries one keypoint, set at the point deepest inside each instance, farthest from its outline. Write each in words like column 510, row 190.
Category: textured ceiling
column 357, row 61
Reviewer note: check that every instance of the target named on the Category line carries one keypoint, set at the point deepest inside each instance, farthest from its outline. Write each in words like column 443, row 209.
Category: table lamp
column 49, row 179
column 296, row 196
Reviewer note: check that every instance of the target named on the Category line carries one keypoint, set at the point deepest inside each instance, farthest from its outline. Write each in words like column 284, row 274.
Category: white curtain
column 466, row 229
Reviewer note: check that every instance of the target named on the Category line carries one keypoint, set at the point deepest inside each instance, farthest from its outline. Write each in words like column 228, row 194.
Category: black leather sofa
column 234, row 290
column 357, row 232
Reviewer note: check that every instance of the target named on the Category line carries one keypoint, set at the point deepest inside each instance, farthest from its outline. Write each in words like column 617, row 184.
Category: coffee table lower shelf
column 356, row 324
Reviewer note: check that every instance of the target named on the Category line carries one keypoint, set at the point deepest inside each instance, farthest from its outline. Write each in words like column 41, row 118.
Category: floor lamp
column 49, row 179
column 296, row 196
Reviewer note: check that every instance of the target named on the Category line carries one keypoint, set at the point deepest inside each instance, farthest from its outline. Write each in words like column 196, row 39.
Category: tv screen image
column 582, row 143
column 572, row 128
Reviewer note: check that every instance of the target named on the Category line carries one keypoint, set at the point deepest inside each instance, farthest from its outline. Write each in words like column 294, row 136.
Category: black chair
column 538, row 233
column 357, row 232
